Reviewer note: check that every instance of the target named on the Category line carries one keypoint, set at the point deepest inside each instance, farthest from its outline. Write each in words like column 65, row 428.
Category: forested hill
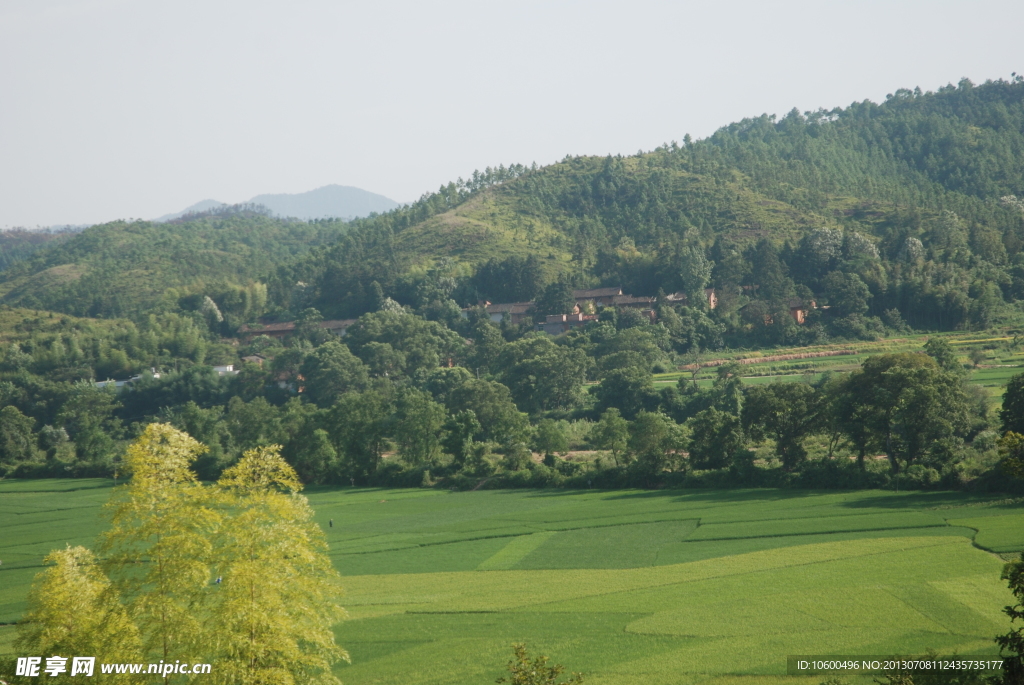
column 901, row 212
column 931, row 167
column 819, row 228
column 132, row 269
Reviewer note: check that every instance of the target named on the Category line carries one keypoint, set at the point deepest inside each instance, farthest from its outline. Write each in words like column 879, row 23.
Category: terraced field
column 628, row 587
column 1002, row 359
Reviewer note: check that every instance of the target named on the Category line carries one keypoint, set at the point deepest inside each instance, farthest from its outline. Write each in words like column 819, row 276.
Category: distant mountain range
column 333, row 201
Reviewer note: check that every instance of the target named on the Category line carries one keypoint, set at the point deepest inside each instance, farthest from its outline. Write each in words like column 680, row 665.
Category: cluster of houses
column 587, row 302
column 584, row 309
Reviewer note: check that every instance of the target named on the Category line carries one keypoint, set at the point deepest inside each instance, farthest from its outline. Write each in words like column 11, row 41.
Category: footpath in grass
column 627, row 586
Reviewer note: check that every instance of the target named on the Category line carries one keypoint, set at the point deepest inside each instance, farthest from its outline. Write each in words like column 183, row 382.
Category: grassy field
column 627, row 586
column 1003, row 359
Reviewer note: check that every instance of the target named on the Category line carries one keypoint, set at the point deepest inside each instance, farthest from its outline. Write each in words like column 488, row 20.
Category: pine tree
column 159, row 543
column 269, row 620
column 72, row 611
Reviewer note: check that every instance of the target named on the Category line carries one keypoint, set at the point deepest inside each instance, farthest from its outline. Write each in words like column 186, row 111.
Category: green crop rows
column 629, row 587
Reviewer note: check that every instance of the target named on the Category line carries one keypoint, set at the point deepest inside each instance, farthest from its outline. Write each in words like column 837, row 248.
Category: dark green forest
column 872, row 220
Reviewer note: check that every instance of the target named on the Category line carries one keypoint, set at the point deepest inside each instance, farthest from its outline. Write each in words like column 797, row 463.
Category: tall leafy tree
column 492, row 405
column 418, row 422
column 911, row 404
column 630, row 389
column 159, row 544
column 944, row 355
column 657, row 442
column 787, row 412
column 1012, row 413
column 17, row 441
column 556, row 299
column 72, row 611
column 847, row 293
column 550, row 438
column 311, row 453
column 358, row 425
column 546, row 376
column 331, row 371
column 457, row 439
column 270, row 619
column 89, row 416
column 716, row 438
column 612, row 433
column 695, row 272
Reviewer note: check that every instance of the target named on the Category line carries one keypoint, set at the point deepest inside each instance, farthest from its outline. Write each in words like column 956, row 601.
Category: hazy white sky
column 122, row 108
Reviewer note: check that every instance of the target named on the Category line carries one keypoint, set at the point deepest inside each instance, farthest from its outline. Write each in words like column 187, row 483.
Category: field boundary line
column 335, row 552
column 819, row 532
column 446, row 542
column 816, row 516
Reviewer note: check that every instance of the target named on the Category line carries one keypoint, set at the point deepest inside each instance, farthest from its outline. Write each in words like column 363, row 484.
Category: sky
column 118, row 109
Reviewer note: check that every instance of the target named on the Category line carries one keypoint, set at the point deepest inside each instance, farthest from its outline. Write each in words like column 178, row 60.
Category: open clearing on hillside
column 627, row 586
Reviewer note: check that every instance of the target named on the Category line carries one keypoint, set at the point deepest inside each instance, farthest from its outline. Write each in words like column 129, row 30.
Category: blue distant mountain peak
column 332, row 201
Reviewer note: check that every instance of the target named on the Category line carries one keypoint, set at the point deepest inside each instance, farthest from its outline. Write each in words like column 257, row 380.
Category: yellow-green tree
column 159, row 545
column 1011, row 449
column 525, row 671
column 72, row 612
column 269, row 619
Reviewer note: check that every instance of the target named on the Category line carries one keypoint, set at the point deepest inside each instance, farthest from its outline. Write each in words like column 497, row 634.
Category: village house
column 631, row 302
column 517, row 312
column 584, row 310
column 599, row 297
column 799, row 309
column 556, row 324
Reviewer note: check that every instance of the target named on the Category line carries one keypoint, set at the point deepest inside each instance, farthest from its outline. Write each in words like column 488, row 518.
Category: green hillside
column 127, row 269
column 935, row 167
column 865, row 229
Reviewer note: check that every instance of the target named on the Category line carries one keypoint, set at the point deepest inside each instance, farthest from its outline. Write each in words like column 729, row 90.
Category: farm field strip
column 998, row 367
column 627, row 586
column 675, row 622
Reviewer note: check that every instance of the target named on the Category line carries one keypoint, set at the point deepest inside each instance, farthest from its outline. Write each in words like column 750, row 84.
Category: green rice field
column 625, row 586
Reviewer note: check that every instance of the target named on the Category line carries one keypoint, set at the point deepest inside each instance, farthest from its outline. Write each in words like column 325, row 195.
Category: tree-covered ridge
column 939, row 168
column 18, row 244
column 848, row 240
column 965, row 139
column 128, row 269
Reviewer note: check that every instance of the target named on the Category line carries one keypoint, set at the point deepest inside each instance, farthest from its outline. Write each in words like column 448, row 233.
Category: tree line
column 402, row 399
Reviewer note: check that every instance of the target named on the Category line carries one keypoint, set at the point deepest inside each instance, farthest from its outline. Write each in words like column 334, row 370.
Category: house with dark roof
column 517, row 312
column 598, row 296
column 556, row 324
column 631, row 302
column 799, row 309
